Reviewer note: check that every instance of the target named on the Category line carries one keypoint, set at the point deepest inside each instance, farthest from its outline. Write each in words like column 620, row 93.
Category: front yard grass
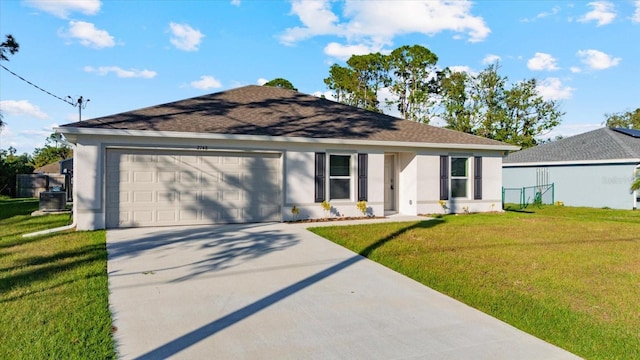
column 53, row 288
column 570, row 276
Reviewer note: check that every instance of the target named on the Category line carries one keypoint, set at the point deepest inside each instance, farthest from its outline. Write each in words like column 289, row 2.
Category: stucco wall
column 596, row 185
column 418, row 175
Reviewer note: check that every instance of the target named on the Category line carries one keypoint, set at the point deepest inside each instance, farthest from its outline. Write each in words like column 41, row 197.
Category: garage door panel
column 167, row 216
column 166, row 196
column 143, row 197
column 210, row 178
column 187, row 188
column 167, row 177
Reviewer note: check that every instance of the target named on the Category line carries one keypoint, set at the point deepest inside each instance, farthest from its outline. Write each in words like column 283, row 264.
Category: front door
column 389, row 182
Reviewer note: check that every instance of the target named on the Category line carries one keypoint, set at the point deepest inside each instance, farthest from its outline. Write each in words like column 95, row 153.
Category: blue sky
column 125, row 55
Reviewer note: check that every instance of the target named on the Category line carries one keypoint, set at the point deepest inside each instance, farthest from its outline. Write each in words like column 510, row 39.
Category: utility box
column 53, row 200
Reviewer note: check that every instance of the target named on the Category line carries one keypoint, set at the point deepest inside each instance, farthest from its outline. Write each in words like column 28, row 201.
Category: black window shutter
column 362, row 177
column 444, row 177
column 477, row 178
column 320, row 177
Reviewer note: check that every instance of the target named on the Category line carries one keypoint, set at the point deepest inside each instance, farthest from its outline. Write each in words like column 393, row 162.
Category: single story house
column 593, row 169
column 252, row 153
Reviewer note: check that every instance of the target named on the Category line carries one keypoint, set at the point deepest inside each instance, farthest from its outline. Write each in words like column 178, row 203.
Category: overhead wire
column 37, row 87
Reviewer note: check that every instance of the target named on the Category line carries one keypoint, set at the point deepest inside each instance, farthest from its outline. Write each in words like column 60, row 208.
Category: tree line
column 484, row 104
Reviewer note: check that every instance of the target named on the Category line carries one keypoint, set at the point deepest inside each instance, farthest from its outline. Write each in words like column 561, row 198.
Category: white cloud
column 62, row 8
column 88, row 35
column 554, row 11
column 461, row 68
column 575, row 69
column 597, row 60
column 206, row 82
column 603, row 13
column 235, row 2
column 325, row 94
column 552, row 89
column 185, row 37
column 542, row 61
column 122, row 73
column 317, row 18
column 262, row 81
column 344, row 52
column 491, row 59
column 636, row 14
column 362, row 20
column 22, row 108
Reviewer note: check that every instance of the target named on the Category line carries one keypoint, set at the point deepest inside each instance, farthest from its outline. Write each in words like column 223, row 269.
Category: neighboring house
column 46, row 178
column 250, row 154
column 593, row 169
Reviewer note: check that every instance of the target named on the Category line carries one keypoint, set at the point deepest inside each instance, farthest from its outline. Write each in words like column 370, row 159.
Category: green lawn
column 53, row 288
column 570, row 276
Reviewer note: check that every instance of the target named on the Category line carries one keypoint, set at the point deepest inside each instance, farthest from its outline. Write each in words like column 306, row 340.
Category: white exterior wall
column 88, row 188
column 428, row 184
column 596, row 185
column 376, row 183
column 300, row 182
column 407, row 183
column 417, row 175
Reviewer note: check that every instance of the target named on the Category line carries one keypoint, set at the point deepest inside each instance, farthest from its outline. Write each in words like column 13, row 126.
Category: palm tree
column 635, row 185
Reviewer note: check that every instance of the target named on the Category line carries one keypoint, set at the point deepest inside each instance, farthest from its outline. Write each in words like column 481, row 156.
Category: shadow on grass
column 419, row 225
column 519, row 210
column 173, row 347
column 13, row 207
column 46, row 269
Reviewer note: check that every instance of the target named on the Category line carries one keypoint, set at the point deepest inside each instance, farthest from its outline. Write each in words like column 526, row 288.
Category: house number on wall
column 202, row 147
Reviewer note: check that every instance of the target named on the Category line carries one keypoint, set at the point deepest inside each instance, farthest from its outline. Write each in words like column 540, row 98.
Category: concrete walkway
column 277, row 291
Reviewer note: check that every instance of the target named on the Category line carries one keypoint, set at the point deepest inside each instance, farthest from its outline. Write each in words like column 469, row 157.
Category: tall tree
column 627, row 120
column 488, row 96
column 528, row 115
column 485, row 105
column 12, row 164
column 635, row 185
column 281, row 83
column 10, row 46
column 456, row 107
column 359, row 82
column 414, row 74
column 342, row 82
column 371, row 73
column 53, row 151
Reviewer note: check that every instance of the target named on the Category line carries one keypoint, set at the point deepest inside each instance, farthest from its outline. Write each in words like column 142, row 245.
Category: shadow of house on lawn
column 210, row 329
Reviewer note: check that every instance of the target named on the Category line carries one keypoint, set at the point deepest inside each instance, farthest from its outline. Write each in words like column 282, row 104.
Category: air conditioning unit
column 53, row 200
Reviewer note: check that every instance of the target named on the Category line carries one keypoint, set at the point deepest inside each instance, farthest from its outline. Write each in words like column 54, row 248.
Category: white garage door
column 159, row 188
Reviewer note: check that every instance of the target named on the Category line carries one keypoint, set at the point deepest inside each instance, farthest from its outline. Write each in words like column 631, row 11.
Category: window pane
column 339, row 189
column 458, row 166
column 339, row 165
column 459, row 188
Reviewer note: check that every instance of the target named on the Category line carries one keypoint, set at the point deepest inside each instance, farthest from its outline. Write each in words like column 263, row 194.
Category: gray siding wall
column 581, row 185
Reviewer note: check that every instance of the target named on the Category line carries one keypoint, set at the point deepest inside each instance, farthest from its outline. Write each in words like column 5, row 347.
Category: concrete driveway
column 277, row 291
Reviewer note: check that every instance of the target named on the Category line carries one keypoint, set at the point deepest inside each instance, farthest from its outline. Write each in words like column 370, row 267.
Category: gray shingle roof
column 600, row 144
column 270, row 111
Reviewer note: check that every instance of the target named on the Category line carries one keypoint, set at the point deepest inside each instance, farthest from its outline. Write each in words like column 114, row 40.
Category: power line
column 37, row 87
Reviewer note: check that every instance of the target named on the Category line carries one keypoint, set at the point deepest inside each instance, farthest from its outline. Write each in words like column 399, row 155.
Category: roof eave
column 71, row 134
